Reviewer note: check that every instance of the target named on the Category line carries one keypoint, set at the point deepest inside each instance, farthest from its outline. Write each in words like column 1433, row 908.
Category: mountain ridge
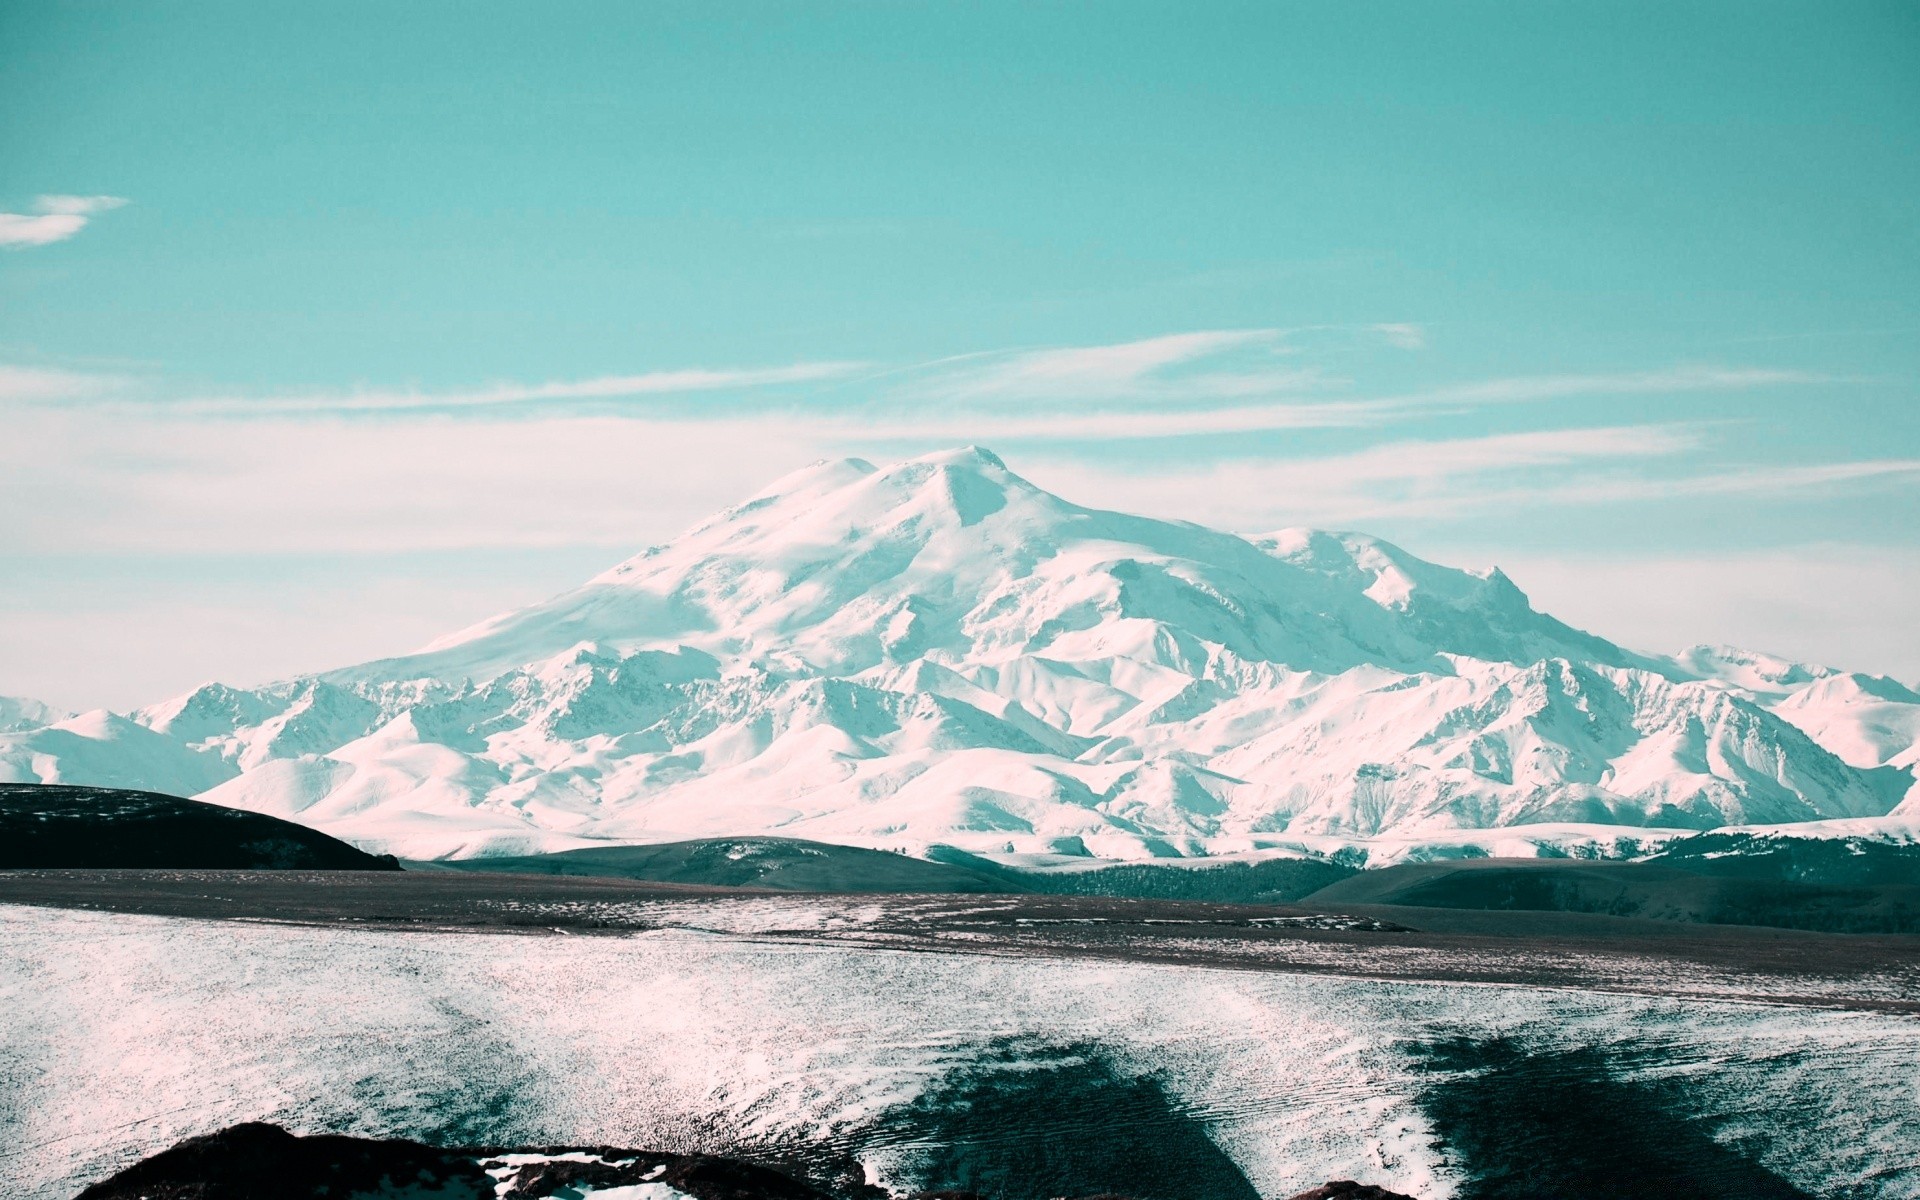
column 938, row 651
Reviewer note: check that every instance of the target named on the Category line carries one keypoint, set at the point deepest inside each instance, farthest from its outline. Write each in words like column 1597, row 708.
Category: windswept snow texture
column 121, row 1035
column 941, row 652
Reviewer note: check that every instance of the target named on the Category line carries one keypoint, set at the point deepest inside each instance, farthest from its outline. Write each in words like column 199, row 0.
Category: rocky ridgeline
column 248, row 1161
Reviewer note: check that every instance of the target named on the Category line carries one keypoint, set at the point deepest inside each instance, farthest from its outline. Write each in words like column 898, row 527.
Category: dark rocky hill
column 53, row 826
column 1768, row 891
column 782, row 864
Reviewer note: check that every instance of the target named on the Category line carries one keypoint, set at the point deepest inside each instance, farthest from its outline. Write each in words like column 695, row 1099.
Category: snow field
column 120, row 1035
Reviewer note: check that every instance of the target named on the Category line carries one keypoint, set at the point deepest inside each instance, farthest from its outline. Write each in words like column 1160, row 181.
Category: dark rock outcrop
column 54, row 826
column 258, row 1159
column 965, row 1195
column 246, row 1162
column 1347, row 1189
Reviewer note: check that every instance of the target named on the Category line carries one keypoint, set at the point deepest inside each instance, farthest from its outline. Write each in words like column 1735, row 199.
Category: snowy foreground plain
column 120, row 1034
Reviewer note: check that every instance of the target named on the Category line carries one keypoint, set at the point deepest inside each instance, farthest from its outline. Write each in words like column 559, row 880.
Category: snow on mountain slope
column 840, row 567
column 1766, row 676
column 1868, row 720
column 21, row 713
column 940, row 651
column 102, row 749
column 1865, row 720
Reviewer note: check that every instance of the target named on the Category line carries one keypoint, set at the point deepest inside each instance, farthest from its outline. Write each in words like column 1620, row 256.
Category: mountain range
column 940, row 652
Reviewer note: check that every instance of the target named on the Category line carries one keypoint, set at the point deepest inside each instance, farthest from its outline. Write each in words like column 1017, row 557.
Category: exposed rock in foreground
column 53, row 827
column 248, row 1161
column 1347, row 1189
column 1339, row 1189
column 257, row 1159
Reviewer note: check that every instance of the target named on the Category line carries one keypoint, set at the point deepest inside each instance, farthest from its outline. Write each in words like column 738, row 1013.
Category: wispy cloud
column 1035, row 422
column 290, row 484
column 1403, row 335
column 1760, row 480
column 1845, row 605
column 1339, row 489
column 1526, row 388
column 77, row 206
column 1453, row 478
column 1194, row 384
column 71, row 483
column 53, row 219
column 240, row 470
column 1430, row 463
column 1241, row 368
column 1202, row 365
column 39, row 384
column 504, row 395
column 1106, row 425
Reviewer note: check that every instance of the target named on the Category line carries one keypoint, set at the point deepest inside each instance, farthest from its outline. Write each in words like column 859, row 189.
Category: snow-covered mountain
column 942, row 652
column 1868, row 720
column 19, row 713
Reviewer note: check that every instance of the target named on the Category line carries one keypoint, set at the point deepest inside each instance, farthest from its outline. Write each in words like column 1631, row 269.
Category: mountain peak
column 968, row 457
column 969, row 480
column 941, row 468
column 969, row 483
column 1749, row 670
column 939, row 650
column 21, row 713
column 842, row 567
column 818, row 477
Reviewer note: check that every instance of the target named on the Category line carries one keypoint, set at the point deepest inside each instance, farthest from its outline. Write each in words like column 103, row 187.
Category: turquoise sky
column 324, row 328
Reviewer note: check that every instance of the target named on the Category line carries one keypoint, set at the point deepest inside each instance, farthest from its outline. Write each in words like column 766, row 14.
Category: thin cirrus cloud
column 1691, row 378
column 71, row 483
column 288, row 483
column 44, row 384
column 1403, row 335
column 1130, row 423
column 1428, row 478
column 191, row 458
column 53, row 219
column 1764, row 480
column 1245, row 380
column 1847, row 605
column 1208, row 382
column 293, row 486
column 944, row 393
column 543, row 396
column 1456, row 478
column 1106, row 426
column 1197, row 366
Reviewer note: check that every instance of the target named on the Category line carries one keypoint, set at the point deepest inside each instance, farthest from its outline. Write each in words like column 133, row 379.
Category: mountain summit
column 841, row 568
column 941, row 652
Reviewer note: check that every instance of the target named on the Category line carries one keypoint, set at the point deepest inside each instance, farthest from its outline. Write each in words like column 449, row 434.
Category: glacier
column 941, row 652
